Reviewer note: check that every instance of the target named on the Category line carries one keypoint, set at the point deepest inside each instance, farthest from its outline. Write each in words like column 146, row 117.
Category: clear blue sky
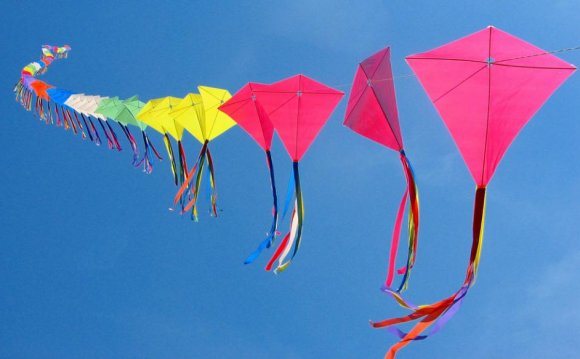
column 93, row 265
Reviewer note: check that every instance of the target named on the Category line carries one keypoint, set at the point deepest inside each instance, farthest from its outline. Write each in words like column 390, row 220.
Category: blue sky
column 93, row 265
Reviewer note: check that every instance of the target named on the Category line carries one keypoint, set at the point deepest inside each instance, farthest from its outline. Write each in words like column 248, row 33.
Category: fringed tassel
column 439, row 313
column 294, row 238
column 212, row 186
column 412, row 193
column 132, row 142
column 271, row 235
column 187, row 190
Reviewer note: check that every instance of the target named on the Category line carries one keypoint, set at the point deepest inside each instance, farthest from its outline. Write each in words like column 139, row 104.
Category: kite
column 199, row 114
column 486, row 87
column 298, row 108
column 372, row 112
column 244, row 108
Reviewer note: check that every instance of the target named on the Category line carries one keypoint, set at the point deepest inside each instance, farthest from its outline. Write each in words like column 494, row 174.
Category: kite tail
column 89, row 129
column 132, row 142
column 58, row 122
column 110, row 142
column 412, row 193
column 64, row 119
column 49, row 117
column 171, row 157
column 68, row 117
column 82, row 128
column 271, row 235
column 213, row 191
column 193, row 202
column 439, row 313
column 18, row 90
column 92, row 129
column 153, row 147
column 145, row 161
column 295, row 234
column 37, row 107
column 114, row 137
column 182, row 163
column 186, row 189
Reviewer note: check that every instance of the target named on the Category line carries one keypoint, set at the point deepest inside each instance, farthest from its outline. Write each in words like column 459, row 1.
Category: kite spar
column 486, row 87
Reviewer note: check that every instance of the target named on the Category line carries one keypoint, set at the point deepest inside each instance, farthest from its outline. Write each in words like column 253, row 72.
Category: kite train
column 485, row 86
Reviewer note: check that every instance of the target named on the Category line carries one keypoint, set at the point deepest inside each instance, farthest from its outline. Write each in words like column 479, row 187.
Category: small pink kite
column 245, row 109
column 372, row 113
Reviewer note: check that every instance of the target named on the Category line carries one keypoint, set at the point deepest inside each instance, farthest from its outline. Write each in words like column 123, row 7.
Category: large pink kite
column 486, row 87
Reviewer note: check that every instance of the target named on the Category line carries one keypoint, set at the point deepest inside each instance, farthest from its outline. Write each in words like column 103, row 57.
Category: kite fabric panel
column 486, row 87
column 372, row 112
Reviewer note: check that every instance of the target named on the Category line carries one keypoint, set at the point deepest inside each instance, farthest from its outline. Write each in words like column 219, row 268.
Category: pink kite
column 372, row 112
column 298, row 108
column 244, row 108
column 486, row 87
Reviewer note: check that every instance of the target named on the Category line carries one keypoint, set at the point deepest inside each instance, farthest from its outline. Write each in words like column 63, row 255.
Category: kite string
column 566, row 49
